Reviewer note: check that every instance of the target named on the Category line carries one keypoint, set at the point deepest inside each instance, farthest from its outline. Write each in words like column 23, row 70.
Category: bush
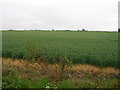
column 119, row 30
column 12, row 80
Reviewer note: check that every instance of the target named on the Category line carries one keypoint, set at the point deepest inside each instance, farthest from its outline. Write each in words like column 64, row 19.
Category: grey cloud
column 59, row 14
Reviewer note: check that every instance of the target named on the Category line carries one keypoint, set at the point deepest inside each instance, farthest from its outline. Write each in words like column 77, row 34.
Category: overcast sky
column 59, row 14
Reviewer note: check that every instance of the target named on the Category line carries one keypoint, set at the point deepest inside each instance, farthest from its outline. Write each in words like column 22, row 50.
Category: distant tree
column 83, row 29
column 53, row 30
column 119, row 30
column 78, row 30
column 67, row 30
column 11, row 30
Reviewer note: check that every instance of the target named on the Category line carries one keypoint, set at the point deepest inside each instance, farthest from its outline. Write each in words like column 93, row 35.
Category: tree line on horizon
column 62, row 30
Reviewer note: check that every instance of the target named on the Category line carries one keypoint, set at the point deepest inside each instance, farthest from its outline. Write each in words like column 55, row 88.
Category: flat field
column 95, row 48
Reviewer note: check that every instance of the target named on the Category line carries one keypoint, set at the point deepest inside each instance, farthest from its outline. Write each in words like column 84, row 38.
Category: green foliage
column 76, row 84
column 119, row 30
column 43, row 83
column 88, row 74
column 96, row 48
column 14, row 81
column 31, row 51
column 83, row 29
column 34, row 52
column 65, row 63
column 86, row 84
column 66, row 84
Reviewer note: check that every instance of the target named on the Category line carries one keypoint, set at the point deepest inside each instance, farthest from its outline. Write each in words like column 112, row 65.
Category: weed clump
column 33, row 53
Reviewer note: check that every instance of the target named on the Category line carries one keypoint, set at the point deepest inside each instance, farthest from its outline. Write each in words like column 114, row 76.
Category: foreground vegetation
column 95, row 48
column 35, row 74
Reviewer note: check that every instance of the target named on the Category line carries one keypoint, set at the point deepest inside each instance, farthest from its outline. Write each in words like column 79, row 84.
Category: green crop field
column 96, row 48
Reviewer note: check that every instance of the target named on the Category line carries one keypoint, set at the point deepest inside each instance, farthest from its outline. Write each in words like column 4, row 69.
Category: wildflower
column 47, row 87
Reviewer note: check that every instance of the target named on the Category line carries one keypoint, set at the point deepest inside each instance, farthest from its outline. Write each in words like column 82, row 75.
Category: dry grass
column 38, row 70
column 90, row 68
column 110, row 70
column 87, row 68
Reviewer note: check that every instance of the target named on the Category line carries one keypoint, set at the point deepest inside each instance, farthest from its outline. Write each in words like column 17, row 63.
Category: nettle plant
column 64, row 63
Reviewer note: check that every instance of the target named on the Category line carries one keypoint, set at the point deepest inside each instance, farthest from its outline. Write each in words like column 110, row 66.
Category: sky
column 119, row 14
column 59, row 14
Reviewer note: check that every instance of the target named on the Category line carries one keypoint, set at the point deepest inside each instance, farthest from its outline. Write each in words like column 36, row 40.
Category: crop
column 95, row 48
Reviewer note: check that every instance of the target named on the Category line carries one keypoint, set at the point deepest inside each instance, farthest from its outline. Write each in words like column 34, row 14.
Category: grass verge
column 27, row 74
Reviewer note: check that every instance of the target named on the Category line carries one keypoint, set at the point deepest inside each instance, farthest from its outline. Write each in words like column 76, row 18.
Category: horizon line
column 56, row 30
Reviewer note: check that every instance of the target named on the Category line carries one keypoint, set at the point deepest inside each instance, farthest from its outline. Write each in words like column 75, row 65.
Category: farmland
column 95, row 48
column 60, row 59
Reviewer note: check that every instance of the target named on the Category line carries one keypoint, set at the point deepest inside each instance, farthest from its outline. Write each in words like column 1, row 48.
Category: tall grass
column 13, row 80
